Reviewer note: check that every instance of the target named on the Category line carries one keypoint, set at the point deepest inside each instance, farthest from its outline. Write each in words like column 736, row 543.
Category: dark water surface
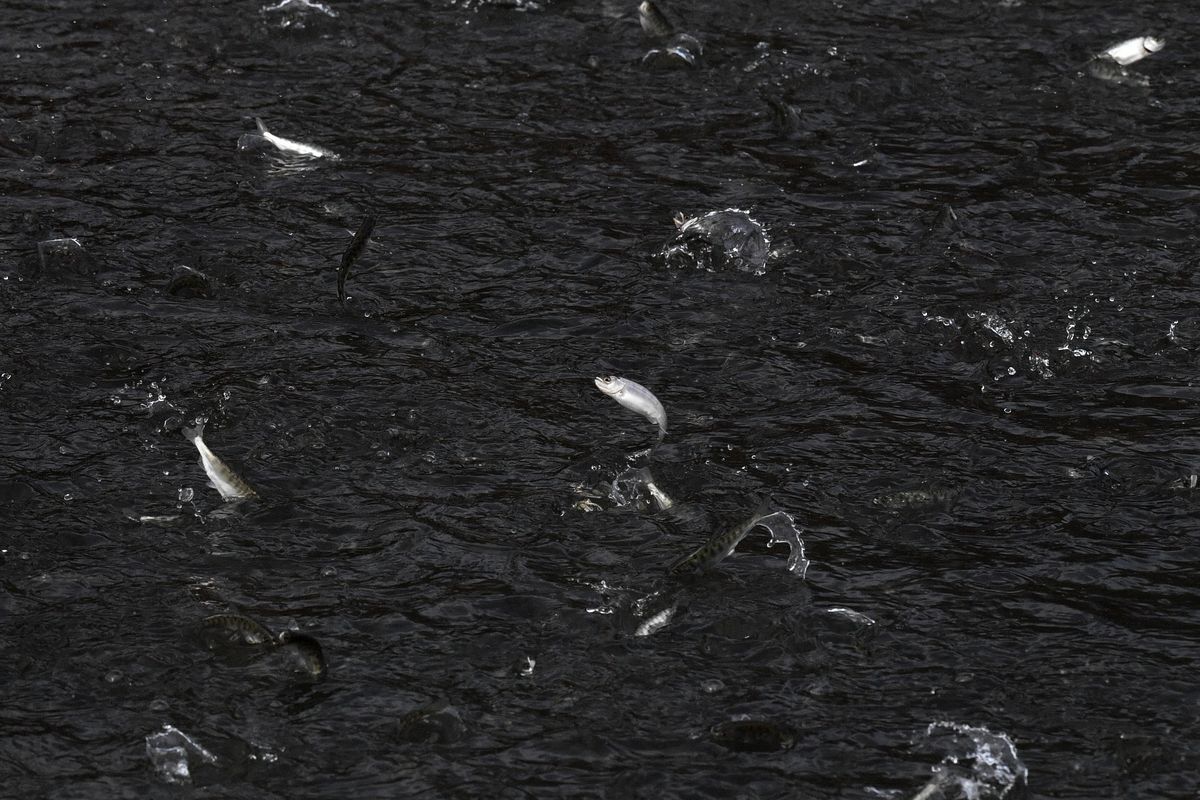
column 973, row 380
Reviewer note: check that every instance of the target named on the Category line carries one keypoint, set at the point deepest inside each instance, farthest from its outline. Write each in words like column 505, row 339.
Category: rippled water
column 970, row 374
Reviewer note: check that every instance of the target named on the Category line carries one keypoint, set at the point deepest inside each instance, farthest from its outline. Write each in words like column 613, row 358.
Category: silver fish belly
column 291, row 146
column 223, row 479
column 1131, row 50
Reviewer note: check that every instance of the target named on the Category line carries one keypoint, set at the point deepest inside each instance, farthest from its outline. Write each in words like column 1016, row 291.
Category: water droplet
column 711, row 686
column 328, row 572
column 114, row 676
column 186, row 493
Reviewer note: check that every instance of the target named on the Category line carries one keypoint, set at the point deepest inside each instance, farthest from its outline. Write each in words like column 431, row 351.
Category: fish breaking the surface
column 653, row 20
column 718, row 547
column 223, row 479
column 292, row 146
column 1133, row 50
column 637, row 398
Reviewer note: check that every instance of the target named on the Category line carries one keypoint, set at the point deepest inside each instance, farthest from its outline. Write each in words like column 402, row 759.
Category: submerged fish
column 244, row 630
column 637, row 398
column 223, row 479
column 1132, row 50
column 718, row 547
column 357, row 245
column 312, row 657
column 753, row 736
column 290, row 146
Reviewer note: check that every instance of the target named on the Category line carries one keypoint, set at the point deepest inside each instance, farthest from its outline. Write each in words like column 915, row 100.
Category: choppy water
column 970, row 374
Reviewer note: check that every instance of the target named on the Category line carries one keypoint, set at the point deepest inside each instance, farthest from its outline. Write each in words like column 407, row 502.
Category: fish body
column 753, row 736
column 718, row 547
column 223, row 479
column 656, row 622
column 246, row 629
column 290, row 146
column 312, row 657
column 1131, row 50
column 653, row 20
column 636, row 398
column 357, row 245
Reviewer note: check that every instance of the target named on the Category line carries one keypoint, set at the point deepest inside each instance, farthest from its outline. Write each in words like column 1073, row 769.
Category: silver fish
column 223, row 479
column 653, row 20
column 1131, row 50
column 290, row 146
column 637, row 398
column 656, row 622
column 718, row 547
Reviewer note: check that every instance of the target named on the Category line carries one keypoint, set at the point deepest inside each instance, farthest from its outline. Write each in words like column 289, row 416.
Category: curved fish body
column 636, row 398
column 291, row 146
column 1133, row 50
column 223, row 479
column 312, row 657
column 718, row 547
column 245, row 629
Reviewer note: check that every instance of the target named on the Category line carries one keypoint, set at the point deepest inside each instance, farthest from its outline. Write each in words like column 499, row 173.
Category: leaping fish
column 718, row 547
column 290, row 146
column 1131, row 50
column 223, row 479
column 637, row 398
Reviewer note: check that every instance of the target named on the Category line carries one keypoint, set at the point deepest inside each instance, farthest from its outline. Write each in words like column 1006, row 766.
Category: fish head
column 611, row 385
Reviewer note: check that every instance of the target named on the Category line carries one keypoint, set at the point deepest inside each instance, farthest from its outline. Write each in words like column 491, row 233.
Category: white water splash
column 169, row 751
column 978, row 765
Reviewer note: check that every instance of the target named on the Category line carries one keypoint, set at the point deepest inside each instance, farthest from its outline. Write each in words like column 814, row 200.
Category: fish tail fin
column 194, row 432
column 763, row 507
column 262, row 128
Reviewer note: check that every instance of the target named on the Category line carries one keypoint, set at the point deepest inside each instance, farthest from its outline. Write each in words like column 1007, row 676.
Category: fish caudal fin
column 261, row 127
column 194, row 432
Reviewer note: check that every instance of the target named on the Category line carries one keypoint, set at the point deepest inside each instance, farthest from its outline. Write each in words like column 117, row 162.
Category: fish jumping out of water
column 718, row 547
column 1132, row 50
column 243, row 630
column 291, row 146
column 220, row 476
column 637, row 398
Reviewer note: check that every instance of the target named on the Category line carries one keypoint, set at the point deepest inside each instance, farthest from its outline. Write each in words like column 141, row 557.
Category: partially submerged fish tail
column 194, row 432
column 262, row 128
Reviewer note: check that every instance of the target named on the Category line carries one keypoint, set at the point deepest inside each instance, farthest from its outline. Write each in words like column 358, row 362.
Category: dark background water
column 1029, row 361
